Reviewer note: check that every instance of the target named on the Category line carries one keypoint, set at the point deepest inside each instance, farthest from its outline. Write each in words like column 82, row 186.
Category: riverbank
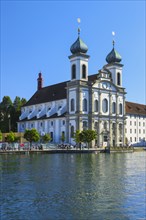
column 91, row 150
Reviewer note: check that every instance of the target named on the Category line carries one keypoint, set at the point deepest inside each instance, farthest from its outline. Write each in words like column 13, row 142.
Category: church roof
column 52, row 93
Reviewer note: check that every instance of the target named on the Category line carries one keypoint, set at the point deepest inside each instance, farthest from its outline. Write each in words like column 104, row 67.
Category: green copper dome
column 78, row 46
column 113, row 57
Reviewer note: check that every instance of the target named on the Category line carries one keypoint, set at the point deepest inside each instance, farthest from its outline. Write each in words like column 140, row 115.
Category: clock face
column 104, row 85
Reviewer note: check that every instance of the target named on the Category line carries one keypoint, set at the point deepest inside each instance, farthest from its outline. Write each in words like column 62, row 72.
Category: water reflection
column 73, row 186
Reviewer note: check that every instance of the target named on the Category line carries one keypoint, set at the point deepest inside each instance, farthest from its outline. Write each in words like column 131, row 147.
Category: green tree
column 10, row 112
column 46, row 138
column 1, row 136
column 78, row 137
column 31, row 135
column 11, row 137
column 88, row 136
column 5, row 112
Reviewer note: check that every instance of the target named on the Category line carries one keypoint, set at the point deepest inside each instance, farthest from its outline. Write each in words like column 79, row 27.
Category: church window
column 120, row 109
column 118, row 79
column 105, row 125
column 113, row 107
column 96, row 125
column 51, row 134
column 96, row 106
column 84, row 125
column 72, row 103
column 84, row 71
column 51, row 123
column 105, row 105
column 73, row 71
column 72, row 131
column 84, row 105
column 63, row 122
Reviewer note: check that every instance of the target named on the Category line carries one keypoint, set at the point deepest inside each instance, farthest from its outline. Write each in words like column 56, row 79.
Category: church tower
column 114, row 66
column 77, row 88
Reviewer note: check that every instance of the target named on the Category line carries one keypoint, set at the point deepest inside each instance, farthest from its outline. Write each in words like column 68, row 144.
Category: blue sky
column 37, row 35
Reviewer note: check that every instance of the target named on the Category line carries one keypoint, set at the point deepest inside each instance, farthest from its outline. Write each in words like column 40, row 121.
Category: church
column 95, row 102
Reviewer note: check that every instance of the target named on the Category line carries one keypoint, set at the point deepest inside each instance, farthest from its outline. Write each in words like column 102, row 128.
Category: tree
column 1, row 136
column 11, row 137
column 78, row 138
column 10, row 112
column 46, row 138
column 88, row 136
column 31, row 135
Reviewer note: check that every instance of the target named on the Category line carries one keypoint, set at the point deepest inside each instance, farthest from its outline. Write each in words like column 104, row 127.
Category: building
column 86, row 101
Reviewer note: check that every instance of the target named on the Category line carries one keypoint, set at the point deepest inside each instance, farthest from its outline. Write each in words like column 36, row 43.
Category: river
column 73, row 186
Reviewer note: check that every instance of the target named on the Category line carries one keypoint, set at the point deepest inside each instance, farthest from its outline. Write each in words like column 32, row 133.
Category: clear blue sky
column 37, row 35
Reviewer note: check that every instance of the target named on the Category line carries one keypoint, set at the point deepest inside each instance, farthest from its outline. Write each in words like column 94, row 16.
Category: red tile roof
column 135, row 108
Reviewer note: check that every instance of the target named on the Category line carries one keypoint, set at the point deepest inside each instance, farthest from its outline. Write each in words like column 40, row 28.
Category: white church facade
column 86, row 101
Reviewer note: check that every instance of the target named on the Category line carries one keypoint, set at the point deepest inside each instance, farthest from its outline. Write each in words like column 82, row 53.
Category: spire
column 113, row 56
column 40, row 81
column 78, row 46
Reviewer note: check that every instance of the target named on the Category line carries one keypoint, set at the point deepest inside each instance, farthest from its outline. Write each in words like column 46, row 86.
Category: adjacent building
column 86, row 101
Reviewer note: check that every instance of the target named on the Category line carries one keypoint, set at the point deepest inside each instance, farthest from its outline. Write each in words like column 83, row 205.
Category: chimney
column 40, row 81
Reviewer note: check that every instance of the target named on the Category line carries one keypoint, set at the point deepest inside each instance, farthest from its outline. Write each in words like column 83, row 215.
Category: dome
column 78, row 46
column 113, row 57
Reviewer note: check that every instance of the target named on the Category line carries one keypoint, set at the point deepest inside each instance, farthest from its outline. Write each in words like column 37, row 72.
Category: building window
column 139, row 123
column 51, row 123
column 85, row 124
column 135, row 131
column 125, row 130
column 130, row 122
column 118, row 79
column 84, row 105
column 72, row 131
column 143, row 124
column 84, row 71
column 51, row 134
column 104, row 105
column 130, row 131
column 73, row 71
column 96, row 125
column 143, row 131
column 139, row 131
column 120, row 109
column 113, row 107
column 105, row 125
column 72, row 107
column 135, row 123
column 135, row 139
column 96, row 106
column 63, row 122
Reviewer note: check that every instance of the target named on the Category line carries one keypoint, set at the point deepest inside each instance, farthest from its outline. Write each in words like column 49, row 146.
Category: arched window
column 118, row 79
column 113, row 107
column 72, row 131
column 105, row 125
column 96, row 125
column 104, row 105
column 84, row 105
column 72, row 105
column 120, row 109
column 73, row 71
column 51, row 134
column 96, row 106
column 85, row 125
column 84, row 71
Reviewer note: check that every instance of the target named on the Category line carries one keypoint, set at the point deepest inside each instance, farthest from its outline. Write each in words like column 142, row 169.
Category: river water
column 73, row 186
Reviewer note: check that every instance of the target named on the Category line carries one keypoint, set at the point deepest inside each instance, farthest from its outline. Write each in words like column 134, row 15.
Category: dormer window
column 59, row 107
column 49, row 108
column 73, row 71
column 84, row 71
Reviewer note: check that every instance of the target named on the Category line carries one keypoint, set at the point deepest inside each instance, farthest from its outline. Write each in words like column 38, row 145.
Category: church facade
column 95, row 102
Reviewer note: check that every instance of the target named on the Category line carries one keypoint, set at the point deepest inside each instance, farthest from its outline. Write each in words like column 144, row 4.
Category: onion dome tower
column 113, row 56
column 114, row 66
column 79, row 59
